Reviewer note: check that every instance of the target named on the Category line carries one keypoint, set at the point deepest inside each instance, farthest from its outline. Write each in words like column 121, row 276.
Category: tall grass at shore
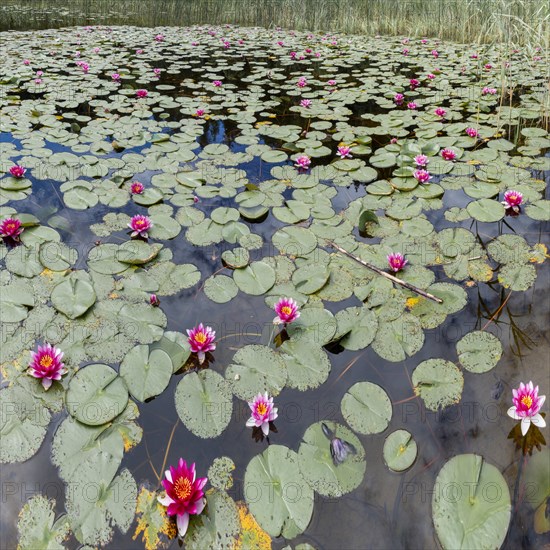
column 513, row 21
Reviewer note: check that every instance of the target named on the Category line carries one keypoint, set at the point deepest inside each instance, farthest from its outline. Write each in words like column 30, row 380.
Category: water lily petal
column 512, row 412
column 525, row 423
column 183, row 524
column 538, row 420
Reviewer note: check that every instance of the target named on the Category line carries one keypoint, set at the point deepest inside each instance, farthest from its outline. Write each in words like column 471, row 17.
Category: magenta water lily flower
column 140, row 225
column 201, row 339
column 398, row 99
column 137, row 188
column 412, row 105
column 414, row 83
column 421, row 160
column 115, row 77
column 431, row 76
column 263, row 412
column 184, row 494
column 396, row 261
column 527, row 404
column 344, row 152
column 472, row 132
column 17, row 171
column 142, row 93
column 157, row 71
column 26, row 62
column 199, row 112
column 11, row 227
column 305, row 103
column 217, row 83
column 303, row 162
column 159, row 38
column 302, row 82
column 512, row 200
column 435, row 53
column 488, row 91
column 154, row 300
column 440, row 112
column 405, row 51
column 46, row 364
column 286, row 310
column 448, row 154
column 422, row 176
column 331, row 82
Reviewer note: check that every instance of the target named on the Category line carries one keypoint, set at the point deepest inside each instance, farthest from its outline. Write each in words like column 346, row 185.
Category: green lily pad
column 518, row 277
column 15, row 301
column 486, row 210
column 96, row 395
column 307, row 364
column 314, row 324
column 398, row 339
column 318, row 468
column 479, row 351
column 471, row 505
column 146, row 372
column 285, row 509
column 220, row 288
column 357, row 327
column 438, row 382
column 75, row 295
column 294, row 241
column 177, row 347
column 367, row 408
column 399, row 451
column 255, row 279
column 23, row 424
column 310, row 278
column 256, row 369
column 38, row 527
column 204, row 403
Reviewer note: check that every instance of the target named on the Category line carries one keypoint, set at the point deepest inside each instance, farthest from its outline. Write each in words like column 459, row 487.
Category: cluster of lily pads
column 195, row 136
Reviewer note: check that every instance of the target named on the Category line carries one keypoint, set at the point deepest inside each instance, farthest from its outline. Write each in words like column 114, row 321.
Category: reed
column 518, row 22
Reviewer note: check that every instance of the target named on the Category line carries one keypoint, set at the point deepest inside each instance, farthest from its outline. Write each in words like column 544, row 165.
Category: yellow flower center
column 527, row 401
column 286, row 310
column 512, row 197
column 183, row 488
column 46, row 361
column 200, row 337
column 10, row 227
column 139, row 222
column 261, row 408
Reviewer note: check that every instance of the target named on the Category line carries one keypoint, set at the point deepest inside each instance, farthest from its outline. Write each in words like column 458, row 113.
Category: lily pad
column 75, row 295
column 307, row 364
column 486, row 210
column 96, row 395
column 255, row 279
column 438, row 382
column 204, row 403
column 277, row 494
column 318, row 468
column 479, row 351
column 256, row 369
column 146, row 372
column 367, row 408
column 400, row 451
column 471, row 505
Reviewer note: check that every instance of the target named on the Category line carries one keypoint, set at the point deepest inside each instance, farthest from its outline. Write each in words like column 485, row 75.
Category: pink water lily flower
column 422, row 176
column 472, row 132
column 527, row 404
column 26, row 62
column 263, row 412
column 17, row 171
column 431, row 76
column 199, row 112
column 303, row 162
column 115, row 77
column 398, row 99
column 154, row 300
column 184, row 494
column 405, row 51
column 331, row 82
column 201, row 339
column 286, row 310
column 421, row 160
column 344, row 152
column 512, row 200
column 140, row 225
column 157, row 71
column 159, row 38
column 142, row 93
column 46, row 364
column 11, row 227
column 488, row 91
column 435, row 53
column 448, row 154
column 305, row 103
column 396, row 261
column 414, row 83
column 217, row 83
column 412, row 105
column 302, row 82
column 137, row 188
column 440, row 112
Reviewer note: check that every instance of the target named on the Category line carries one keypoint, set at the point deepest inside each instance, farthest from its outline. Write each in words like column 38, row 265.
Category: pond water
column 218, row 164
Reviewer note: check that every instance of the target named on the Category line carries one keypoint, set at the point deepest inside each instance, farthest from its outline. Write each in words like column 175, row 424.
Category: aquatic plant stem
column 168, row 449
column 497, row 311
column 388, row 275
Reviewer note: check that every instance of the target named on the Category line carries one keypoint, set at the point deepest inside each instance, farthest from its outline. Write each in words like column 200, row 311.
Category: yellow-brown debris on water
column 540, row 254
column 412, row 302
column 153, row 523
column 252, row 536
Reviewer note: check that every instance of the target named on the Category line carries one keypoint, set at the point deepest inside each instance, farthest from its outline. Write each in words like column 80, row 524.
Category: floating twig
column 387, row 275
